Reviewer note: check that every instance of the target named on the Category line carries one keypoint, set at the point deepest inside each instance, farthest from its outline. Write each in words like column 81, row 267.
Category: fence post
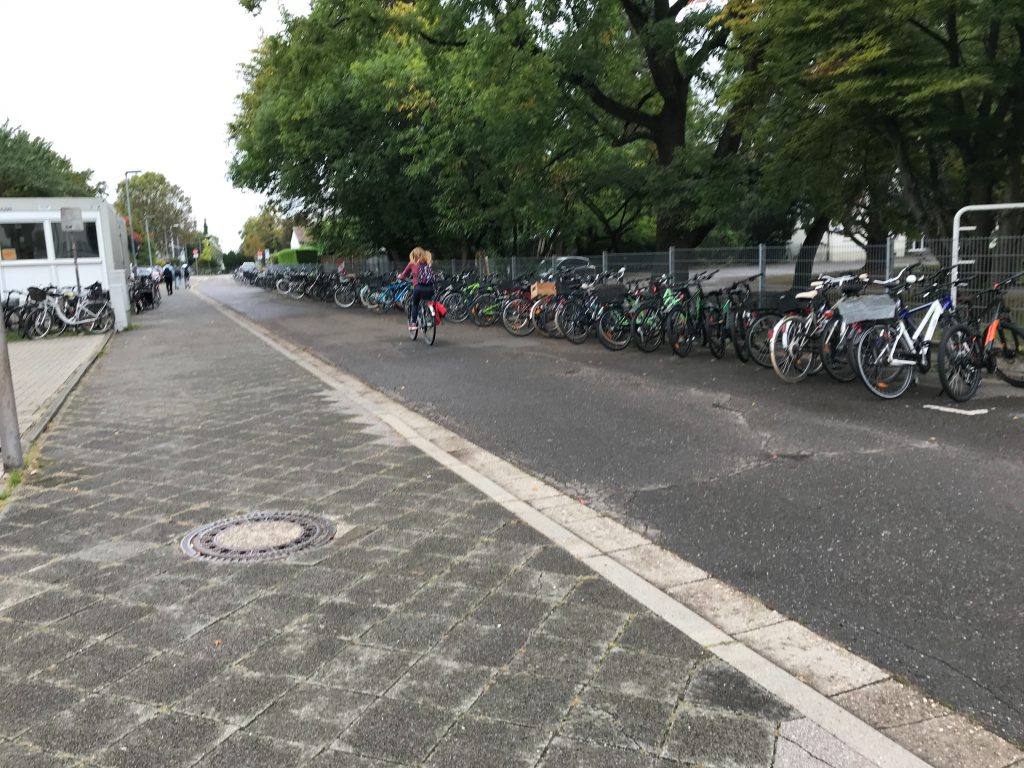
column 671, row 262
column 888, row 257
column 604, row 261
column 762, row 267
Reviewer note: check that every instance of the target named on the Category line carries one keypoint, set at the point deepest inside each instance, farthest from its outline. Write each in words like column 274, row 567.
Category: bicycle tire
column 344, row 296
column 517, row 317
column 680, row 335
column 485, row 310
column 458, row 307
column 103, row 322
column 428, row 328
column 1008, row 349
column 832, row 350
column 791, row 349
column 882, row 378
column 614, row 329
column 575, row 324
column 759, row 338
column 647, row 327
column 959, row 362
column 714, row 329
column 738, row 330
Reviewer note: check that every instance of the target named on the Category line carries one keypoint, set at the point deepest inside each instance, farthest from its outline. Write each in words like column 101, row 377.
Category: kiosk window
column 22, row 241
column 87, row 242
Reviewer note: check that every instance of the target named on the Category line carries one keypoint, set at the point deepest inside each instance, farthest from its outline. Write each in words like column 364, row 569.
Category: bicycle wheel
column 428, row 328
column 960, row 362
column 714, row 328
column 103, row 322
column 485, row 309
column 517, row 317
column 738, row 330
column 345, row 296
column 458, row 307
column 832, row 350
column 647, row 327
column 791, row 351
column 680, row 334
column 614, row 329
column 42, row 323
column 575, row 323
column 759, row 338
column 1008, row 350
column 880, row 350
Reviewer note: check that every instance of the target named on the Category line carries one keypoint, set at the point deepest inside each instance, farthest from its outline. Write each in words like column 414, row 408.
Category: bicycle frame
column 922, row 337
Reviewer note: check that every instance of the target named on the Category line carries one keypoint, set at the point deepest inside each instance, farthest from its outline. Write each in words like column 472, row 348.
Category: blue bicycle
column 397, row 293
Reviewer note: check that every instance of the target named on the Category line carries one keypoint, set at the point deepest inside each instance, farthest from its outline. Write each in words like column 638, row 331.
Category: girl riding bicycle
column 420, row 261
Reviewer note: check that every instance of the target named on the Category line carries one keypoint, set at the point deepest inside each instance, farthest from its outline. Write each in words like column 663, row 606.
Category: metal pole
column 604, row 261
column 762, row 267
column 128, row 200
column 149, row 243
column 888, row 257
column 74, row 256
column 10, row 434
column 955, row 258
column 672, row 262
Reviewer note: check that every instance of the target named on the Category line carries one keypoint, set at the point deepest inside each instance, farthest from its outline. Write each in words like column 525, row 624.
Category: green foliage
column 161, row 207
column 233, row 260
column 298, row 256
column 30, row 168
column 264, row 231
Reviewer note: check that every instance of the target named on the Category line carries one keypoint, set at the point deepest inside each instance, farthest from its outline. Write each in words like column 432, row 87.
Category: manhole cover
column 257, row 536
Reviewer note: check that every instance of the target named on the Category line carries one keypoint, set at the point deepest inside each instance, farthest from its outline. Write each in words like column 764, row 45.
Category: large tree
column 161, row 207
column 265, row 230
column 30, row 168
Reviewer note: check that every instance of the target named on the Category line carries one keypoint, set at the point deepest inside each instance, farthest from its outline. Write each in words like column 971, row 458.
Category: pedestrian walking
column 187, row 273
column 169, row 278
column 177, row 277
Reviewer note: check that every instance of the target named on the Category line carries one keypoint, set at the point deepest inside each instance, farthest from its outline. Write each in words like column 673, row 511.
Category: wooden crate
column 542, row 289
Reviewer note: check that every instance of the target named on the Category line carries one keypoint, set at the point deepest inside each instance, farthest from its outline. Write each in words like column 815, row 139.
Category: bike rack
column 955, row 258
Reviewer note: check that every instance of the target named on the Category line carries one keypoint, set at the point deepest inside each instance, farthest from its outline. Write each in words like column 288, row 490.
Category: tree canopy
column 30, row 168
column 525, row 126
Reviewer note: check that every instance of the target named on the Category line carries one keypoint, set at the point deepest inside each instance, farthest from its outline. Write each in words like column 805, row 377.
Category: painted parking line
column 958, row 411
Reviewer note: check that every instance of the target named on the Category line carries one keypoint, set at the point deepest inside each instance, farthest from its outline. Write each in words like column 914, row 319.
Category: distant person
column 177, row 276
column 169, row 278
column 187, row 275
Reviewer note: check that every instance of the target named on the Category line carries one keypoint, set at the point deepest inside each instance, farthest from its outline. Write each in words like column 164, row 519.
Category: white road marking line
column 959, row 411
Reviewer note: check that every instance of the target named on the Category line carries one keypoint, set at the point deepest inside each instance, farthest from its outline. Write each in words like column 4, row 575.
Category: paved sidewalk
column 436, row 629
column 40, row 369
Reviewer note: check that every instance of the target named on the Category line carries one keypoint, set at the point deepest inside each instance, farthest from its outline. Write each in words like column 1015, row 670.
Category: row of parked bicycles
column 51, row 311
column 881, row 332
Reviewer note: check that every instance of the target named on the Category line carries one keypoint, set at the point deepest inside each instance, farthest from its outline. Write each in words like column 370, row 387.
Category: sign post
column 71, row 221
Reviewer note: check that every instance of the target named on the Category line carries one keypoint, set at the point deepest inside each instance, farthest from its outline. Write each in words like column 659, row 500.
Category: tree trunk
column 808, row 250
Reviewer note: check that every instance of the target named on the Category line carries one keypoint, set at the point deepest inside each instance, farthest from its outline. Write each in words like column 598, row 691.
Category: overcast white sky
column 120, row 85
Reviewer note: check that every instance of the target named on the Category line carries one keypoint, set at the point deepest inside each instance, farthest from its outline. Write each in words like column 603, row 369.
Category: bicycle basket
column 862, row 308
column 36, row 294
column 609, row 292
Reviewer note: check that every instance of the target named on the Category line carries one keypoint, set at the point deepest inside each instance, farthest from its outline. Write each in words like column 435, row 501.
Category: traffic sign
column 71, row 220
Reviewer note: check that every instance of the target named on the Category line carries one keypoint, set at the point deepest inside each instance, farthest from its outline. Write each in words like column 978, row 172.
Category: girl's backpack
column 425, row 274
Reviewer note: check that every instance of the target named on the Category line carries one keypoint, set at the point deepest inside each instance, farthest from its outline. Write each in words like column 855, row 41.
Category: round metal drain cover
column 257, row 536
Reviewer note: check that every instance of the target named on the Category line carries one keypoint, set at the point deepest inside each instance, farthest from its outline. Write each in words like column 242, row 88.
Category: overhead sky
column 123, row 85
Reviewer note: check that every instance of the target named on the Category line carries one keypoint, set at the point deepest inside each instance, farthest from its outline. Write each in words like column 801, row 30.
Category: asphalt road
column 893, row 529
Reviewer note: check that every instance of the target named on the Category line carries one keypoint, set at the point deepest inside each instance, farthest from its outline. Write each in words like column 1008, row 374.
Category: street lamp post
column 128, row 200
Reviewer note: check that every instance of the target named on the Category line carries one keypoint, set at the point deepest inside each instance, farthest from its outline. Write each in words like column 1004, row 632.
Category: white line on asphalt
column 959, row 411
column 512, row 488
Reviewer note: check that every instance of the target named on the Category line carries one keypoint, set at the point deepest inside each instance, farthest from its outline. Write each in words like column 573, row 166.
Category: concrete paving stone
column 383, row 589
column 479, row 574
column 419, row 565
column 23, row 756
column 13, row 591
column 954, row 740
column 789, row 755
column 163, row 590
column 651, row 634
column 586, row 623
column 311, row 715
column 716, row 684
column 343, row 619
column 63, row 570
column 228, row 640
column 408, row 631
column 401, row 731
column 566, row 753
column 525, row 700
column 549, row 586
column 557, row 560
column 659, row 566
column 506, row 552
column 365, row 669
column 220, row 599
column 98, row 665
column 169, row 740
column 114, row 551
column 299, row 653
column 613, row 720
column 502, row 608
column 102, row 618
column 890, row 703
column 520, row 533
column 168, row 678
column 113, row 579
column 820, row 744
column 39, row 649
column 473, row 742
column 164, row 628
column 11, row 631
column 491, row 646
column 597, row 593
column 715, row 740
column 640, row 674
column 236, row 696
column 277, row 610
column 825, row 666
column 17, row 563
column 446, row 545
column 443, row 597
column 447, row 684
column 324, row 583
column 88, row 726
column 24, row 702
column 244, row 749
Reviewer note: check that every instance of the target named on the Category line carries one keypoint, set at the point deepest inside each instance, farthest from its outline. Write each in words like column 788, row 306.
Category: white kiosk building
column 34, row 251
